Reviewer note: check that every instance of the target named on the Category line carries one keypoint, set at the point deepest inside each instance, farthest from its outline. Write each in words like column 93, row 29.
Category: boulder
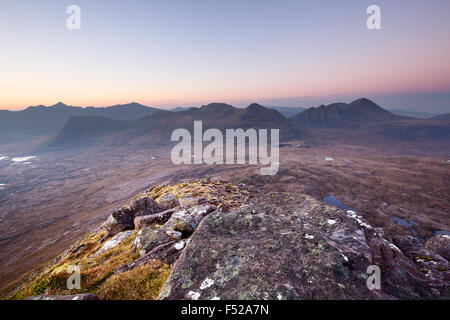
column 119, row 220
column 150, row 238
column 123, row 219
column 169, row 201
column 146, row 206
column 440, row 244
column 157, row 218
column 84, row 296
column 187, row 220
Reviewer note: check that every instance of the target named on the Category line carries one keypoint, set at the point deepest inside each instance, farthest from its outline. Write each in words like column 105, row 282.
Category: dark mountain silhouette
column 444, row 117
column 157, row 127
column 413, row 114
column 287, row 111
column 343, row 115
column 42, row 120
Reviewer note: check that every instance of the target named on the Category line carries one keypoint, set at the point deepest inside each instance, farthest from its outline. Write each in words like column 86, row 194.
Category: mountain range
column 42, row 120
column 158, row 127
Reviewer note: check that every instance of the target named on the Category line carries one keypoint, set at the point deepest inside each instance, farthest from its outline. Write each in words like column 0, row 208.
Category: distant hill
column 338, row 115
column 413, row 114
column 157, row 128
column 444, row 117
column 42, row 120
column 287, row 111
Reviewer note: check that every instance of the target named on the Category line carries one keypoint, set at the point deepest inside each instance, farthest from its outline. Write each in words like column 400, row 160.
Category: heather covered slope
column 215, row 240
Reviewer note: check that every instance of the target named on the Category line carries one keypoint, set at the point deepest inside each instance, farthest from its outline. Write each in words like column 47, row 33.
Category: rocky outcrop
column 249, row 245
column 85, row 296
column 169, row 201
column 164, row 242
column 293, row 247
column 187, row 220
column 123, row 219
column 145, row 221
column 145, row 206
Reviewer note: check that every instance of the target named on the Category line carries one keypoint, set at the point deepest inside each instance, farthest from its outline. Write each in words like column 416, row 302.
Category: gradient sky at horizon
column 188, row 53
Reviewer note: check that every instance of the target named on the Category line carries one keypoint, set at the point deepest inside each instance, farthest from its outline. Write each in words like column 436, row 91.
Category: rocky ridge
column 215, row 240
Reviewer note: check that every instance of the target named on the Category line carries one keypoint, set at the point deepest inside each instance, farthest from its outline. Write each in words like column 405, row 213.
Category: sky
column 189, row 53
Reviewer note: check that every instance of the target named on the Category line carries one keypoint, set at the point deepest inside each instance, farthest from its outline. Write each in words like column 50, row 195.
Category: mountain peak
column 363, row 101
column 217, row 106
column 59, row 105
column 255, row 106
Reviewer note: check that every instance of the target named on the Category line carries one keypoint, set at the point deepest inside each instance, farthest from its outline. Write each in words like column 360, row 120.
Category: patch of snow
column 179, row 245
column 279, row 297
column 345, row 258
column 308, row 236
column 329, row 159
column 206, row 284
column 352, row 214
column 117, row 239
column 215, row 298
column 331, row 222
column 22, row 159
column 76, row 298
column 193, row 295
column 3, row 158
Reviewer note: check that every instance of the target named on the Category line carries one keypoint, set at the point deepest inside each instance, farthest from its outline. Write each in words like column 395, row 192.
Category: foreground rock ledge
column 293, row 247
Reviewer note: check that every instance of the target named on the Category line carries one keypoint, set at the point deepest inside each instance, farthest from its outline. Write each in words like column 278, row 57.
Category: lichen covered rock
column 293, row 247
column 440, row 244
column 169, row 201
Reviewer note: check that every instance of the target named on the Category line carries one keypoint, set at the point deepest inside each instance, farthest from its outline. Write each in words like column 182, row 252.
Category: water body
column 22, row 159
column 441, row 232
column 337, row 203
column 407, row 224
